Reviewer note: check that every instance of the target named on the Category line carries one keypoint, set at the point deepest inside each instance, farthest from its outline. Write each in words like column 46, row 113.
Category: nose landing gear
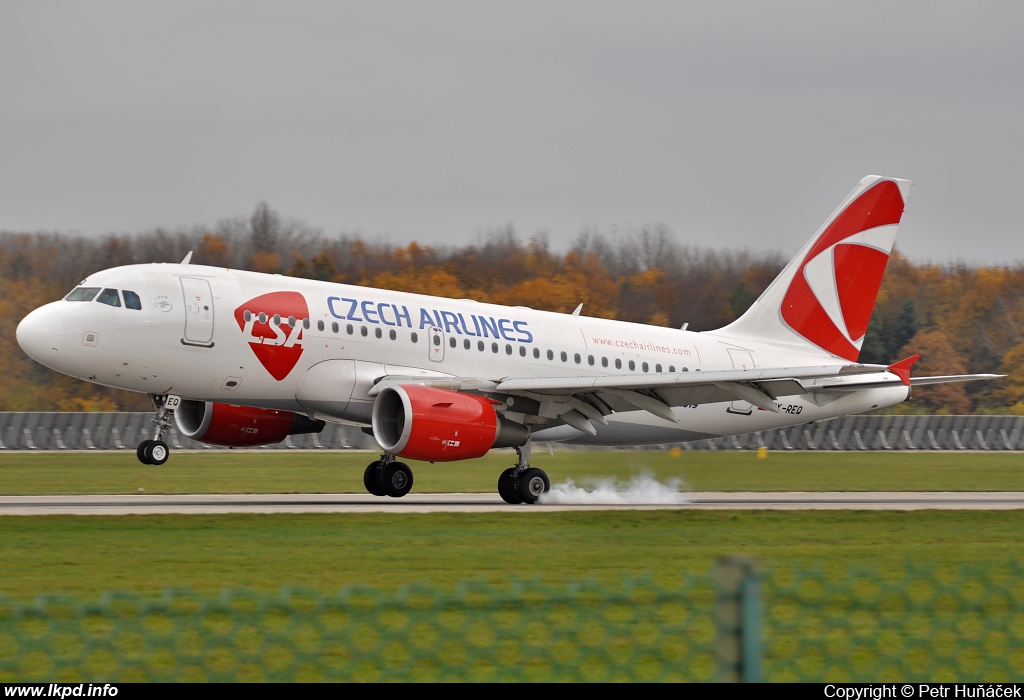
column 523, row 483
column 156, row 452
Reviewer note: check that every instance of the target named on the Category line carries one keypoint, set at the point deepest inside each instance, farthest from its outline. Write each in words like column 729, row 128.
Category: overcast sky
column 736, row 124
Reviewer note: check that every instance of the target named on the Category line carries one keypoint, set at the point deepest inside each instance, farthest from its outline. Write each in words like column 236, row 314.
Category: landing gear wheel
column 156, row 452
column 396, row 479
column 371, row 479
column 507, row 487
column 532, row 484
column 140, row 451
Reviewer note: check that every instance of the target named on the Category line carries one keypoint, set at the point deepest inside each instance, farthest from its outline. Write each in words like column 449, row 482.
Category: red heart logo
column 278, row 346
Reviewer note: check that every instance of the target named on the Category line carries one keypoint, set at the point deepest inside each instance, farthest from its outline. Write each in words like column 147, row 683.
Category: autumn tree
column 938, row 357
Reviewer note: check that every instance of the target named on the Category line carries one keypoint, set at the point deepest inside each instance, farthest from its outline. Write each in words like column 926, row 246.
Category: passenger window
column 109, row 297
column 564, row 356
column 82, row 294
column 334, row 327
column 392, row 334
column 644, row 366
column 467, row 344
column 590, row 359
column 604, row 361
column 414, row 337
column 131, row 300
column 494, row 347
column 363, row 332
column 522, row 351
column 576, row 358
column 377, row 332
column 319, row 325
column 349, row 329
column 657, row 368
column 672, row 369
column 632, row 365
column 305, row 322
column 551, row 355
column 618, row 364
column 480, row 345
column 453, row 341
column 508, row 349
column 536, row 353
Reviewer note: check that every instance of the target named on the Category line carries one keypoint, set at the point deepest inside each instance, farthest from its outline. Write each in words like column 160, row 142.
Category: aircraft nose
column 39, row 334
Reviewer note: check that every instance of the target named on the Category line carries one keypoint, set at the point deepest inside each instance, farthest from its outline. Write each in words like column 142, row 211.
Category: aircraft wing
column 577, row 400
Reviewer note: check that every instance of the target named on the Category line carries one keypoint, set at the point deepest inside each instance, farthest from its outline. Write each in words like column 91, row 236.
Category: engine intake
column 438, row 425
column 239, row 426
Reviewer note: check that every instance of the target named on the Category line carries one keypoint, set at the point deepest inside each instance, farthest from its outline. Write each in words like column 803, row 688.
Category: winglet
column 902, row 368
column 187, row 259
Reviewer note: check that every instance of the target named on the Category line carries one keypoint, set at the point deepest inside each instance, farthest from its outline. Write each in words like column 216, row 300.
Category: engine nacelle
column 437, row 425
column 239, row 426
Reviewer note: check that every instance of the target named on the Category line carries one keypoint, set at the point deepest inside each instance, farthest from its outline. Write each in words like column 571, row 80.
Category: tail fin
column 824, row 297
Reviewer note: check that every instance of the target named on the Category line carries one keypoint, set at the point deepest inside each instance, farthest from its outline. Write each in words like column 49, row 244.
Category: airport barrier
column 123, row 431
column 903, row 623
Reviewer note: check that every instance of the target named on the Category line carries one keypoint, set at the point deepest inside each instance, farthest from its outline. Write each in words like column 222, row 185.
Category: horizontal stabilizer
column 919, row 381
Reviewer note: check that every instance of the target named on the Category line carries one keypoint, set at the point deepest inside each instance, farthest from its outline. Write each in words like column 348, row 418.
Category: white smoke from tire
column 640, row 490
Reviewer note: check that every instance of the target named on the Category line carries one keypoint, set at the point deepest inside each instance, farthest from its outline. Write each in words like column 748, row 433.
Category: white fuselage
column 199, row 334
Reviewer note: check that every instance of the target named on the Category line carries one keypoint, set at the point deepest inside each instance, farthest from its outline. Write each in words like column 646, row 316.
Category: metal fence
column 902, row 624
column 124, row 431
column 116, row 431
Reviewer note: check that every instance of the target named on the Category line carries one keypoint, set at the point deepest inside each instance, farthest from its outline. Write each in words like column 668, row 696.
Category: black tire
column 371, row 479
column 396, row 479
column 532, row 483
column 507, row 487
column 140, row 451
column 157, row 452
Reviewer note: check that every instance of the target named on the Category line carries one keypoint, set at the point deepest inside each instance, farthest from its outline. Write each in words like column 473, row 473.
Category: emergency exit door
column 198, row 312
column 741, row 359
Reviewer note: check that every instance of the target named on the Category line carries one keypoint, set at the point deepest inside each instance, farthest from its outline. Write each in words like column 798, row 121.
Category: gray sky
column 736, row 124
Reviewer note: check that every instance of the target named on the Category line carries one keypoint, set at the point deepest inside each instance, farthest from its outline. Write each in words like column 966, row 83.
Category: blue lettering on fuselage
column 368, row 311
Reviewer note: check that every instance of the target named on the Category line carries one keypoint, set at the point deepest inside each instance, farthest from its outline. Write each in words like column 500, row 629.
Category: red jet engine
column 239, row 426
column 437, row 425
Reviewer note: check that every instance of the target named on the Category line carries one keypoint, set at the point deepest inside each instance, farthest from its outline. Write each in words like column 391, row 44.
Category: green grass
column 90, row 554
column 341, row 472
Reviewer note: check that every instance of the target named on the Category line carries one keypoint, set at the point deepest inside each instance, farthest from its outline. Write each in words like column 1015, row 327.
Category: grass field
column 279, row 471
column 91, row 554
column 88, row 555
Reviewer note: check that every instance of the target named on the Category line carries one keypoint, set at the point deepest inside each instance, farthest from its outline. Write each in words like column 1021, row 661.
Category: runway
column 143, row 504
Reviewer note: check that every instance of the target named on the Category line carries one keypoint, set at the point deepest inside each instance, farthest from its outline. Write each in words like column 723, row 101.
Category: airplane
column 243, row 359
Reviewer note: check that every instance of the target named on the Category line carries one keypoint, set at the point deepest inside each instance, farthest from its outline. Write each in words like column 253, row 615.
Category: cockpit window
column 82, row 294
column 109, row 297
column 131, row 300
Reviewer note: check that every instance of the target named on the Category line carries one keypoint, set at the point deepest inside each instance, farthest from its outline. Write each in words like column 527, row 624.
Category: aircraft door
column 741, row 359
column 435, row 344
column 198, row 312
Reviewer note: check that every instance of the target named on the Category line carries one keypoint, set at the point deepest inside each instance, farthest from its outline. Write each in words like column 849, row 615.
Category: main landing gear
column 523, row 483
column 156, row 452
column 386, row 477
